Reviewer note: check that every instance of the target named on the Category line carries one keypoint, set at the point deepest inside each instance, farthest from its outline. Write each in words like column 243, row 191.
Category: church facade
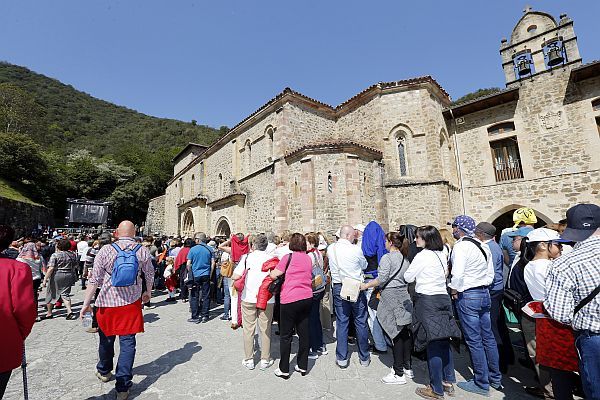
column 399, row 152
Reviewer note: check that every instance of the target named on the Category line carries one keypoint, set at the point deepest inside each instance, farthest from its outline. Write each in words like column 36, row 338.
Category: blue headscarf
column 373, row 241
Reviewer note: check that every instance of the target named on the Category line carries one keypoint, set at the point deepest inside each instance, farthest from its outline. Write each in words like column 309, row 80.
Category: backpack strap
column 478, row 244
column 585, row 301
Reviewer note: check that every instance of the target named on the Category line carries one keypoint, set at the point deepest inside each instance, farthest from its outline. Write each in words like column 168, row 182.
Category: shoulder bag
column 350, row 286
column 241, row 283
column 275, row 286
column 227, row 269
column 585, row 301
column 376, row 294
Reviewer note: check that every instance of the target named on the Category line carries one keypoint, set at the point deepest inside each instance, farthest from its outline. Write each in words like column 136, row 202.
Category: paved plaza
column 179, row 360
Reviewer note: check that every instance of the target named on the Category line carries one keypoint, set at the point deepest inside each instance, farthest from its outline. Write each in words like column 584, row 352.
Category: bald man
column 346, row 260
column 119, row 308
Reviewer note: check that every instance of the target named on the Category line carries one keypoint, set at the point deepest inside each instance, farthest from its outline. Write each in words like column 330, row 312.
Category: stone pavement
column 179, row 360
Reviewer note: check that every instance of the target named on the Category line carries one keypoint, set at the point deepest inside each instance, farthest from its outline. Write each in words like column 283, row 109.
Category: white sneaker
column 248, row 363
column 313, row 355
column 324, row 351
column 409, row 373
column 264, row 364
column 393, row 379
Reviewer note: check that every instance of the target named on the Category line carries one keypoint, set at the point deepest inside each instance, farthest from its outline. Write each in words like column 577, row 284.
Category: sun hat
column 543, row 235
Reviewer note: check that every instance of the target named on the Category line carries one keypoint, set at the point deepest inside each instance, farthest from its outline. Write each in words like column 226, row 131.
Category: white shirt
column 271, row 248
column 224, row 257
column 351, row 260
column 535, row 278
column 281, row 251
column 429, row 269
column 469, row 268
column 255, row 275
column 82, row 247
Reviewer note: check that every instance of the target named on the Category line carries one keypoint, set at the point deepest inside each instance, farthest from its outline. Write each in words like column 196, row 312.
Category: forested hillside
column 57, row 142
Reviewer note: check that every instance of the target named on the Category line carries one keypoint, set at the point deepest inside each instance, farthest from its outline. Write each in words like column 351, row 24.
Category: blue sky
column 218, row 61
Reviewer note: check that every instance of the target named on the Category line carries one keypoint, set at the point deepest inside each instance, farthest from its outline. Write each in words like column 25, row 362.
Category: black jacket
column 433, row 319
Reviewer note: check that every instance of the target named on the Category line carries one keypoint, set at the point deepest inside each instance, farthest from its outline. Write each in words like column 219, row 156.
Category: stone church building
column 399, row 152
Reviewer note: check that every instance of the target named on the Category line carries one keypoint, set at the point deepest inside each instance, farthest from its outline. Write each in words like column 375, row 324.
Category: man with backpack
column 118, row 272
column 472, row 273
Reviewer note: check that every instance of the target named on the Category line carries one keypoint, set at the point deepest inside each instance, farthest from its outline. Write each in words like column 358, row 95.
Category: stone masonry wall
column 155, row 218
column 24, row 217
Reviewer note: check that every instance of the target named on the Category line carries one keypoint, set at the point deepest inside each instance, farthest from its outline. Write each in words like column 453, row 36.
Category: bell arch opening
column 223, row 228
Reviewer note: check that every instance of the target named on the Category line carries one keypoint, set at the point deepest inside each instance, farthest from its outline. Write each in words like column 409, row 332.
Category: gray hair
column 270, row 237
column 201, row 237
column 260, row 242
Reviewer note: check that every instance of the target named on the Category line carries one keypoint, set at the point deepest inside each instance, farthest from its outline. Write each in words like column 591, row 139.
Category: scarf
column 373, row 241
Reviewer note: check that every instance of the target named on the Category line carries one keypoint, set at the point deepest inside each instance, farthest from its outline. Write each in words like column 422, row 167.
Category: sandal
column 46, row 317
column 71, row 316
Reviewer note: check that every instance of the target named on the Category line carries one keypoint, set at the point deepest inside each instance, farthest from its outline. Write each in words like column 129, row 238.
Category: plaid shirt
column 111, row 296
column 570, row 279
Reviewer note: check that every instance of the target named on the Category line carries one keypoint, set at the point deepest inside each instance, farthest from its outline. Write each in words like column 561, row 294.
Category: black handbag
column 376, row 294
column 275, row 286
column 513, row 301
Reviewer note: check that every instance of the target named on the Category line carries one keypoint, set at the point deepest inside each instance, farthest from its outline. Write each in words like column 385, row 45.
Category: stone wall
column 24, row 217
column 155, row 218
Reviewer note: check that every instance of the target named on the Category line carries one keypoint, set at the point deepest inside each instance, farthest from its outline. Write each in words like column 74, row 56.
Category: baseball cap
column 582, row 222
column 543, row 235
column 464, row 223
column 359, row 227
column 525, row 215
column 486, row 227
column 522, row 231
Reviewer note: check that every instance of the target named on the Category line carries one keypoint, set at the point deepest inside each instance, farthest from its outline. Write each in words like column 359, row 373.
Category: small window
column 596, row 105
column 507, row 160
column 402, row 156
column 532, row 29
column 501, row 128
column 329, row 182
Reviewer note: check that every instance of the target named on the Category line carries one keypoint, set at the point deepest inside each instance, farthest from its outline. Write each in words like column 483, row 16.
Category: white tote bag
column 350, row 289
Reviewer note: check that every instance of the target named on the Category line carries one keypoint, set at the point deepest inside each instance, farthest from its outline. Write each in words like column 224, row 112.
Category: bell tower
column 538, row 44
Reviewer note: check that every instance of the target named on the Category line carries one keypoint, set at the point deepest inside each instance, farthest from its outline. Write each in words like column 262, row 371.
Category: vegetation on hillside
column 475, row 95
column 57, row 142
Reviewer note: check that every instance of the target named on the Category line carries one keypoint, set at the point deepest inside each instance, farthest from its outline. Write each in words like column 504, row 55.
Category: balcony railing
column 508, row 170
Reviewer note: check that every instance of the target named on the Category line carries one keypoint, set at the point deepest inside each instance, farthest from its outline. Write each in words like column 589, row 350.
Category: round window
column 532, row 29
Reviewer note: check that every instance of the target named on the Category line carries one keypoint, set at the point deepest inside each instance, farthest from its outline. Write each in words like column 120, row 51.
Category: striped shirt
column 571, row 279
column 111, row 296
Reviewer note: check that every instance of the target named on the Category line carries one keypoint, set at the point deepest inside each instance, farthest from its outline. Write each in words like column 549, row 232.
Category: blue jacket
column 373, row 241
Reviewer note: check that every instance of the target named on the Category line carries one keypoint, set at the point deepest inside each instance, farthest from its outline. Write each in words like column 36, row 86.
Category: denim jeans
column 474, row 313
column 315, row 327
column 440, row 364
column 588, row 347
column 219, row 290
column 344, row 311
column 200, row 306
column 106, row 353
column 226, row 297
column 379, row 339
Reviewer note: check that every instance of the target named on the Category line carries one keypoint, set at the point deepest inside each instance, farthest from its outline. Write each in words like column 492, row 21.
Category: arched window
column 247, row 157
column 220, row 186
column 296, row 189
column 193, row 185
column 502, row 127
column 401, row 145
column 446, row 155
column 269, row 137
column 329, row 182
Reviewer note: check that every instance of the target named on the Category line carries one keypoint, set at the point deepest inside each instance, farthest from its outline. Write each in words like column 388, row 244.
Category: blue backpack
column 125, row 269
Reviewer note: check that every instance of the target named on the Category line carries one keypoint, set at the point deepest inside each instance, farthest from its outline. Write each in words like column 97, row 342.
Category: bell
column 554, row 56
column 523, row 67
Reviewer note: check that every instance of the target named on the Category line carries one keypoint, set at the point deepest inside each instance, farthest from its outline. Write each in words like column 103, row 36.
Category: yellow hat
column 525, row 215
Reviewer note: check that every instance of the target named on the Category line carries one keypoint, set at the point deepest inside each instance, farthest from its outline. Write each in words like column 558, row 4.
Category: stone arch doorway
column 187, row 226
column 503, row 217
column 223, row 228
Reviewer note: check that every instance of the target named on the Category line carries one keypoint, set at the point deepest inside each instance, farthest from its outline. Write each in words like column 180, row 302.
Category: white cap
column 359, row 227
column 543, row 235
column 322, row 243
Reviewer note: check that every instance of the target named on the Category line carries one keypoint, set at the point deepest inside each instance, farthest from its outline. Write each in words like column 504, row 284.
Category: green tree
column 476, row 94
column 18, row 110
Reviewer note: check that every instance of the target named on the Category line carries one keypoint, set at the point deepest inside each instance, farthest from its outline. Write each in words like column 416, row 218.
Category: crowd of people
column 419, row 291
